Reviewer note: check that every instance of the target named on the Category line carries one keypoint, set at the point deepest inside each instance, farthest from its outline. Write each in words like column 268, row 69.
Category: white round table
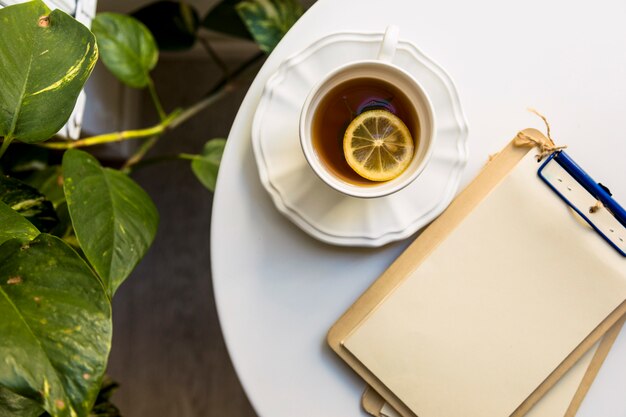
column 278, row 290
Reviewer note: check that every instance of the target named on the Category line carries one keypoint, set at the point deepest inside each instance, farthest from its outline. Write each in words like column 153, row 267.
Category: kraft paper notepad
column 562, row 400
column 491, row 305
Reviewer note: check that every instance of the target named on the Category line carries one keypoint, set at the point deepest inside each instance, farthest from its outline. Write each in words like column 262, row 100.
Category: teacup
column 382, row 74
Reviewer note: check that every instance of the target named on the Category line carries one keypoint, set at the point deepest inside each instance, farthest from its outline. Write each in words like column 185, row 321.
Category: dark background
column 168, row 352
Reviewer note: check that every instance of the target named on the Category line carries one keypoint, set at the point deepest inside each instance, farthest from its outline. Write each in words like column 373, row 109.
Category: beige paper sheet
column 558, row 399
column 554, row 404
column 562, row 400
column 485, row 323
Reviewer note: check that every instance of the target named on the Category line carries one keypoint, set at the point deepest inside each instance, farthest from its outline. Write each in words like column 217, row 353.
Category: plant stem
column 115, row 136
column 196, row 108
column 214, row 56
column 148, row 144
column 239, row 71
column 155, row 99
column 178, row 120
column 189, row 156
column 140, row 153
column 170, row 121
column 5, row 144
column 220, row 90
column 217, row 93
column 154, row 160
column 187, row 14
column 162, row 158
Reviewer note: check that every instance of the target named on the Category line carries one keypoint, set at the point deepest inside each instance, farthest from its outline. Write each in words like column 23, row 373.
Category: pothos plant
column 71, row 229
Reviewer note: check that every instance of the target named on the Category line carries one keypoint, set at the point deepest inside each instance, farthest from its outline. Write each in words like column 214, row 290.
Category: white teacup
column 382, row 69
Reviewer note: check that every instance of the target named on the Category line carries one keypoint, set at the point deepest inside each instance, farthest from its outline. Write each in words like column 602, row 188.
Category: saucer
column 319, row 210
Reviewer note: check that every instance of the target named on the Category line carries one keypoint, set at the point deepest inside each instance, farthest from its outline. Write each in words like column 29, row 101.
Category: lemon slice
column 377, row 145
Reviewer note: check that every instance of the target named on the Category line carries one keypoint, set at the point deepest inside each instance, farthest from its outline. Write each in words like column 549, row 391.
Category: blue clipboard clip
column 582, row 194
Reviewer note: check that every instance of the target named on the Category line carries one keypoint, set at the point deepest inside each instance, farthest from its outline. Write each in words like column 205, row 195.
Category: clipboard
column 346, row 336
column 567, row 400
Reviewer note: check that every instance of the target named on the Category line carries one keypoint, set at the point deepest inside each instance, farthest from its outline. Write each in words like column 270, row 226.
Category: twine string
column 597, row 206
column 545, row 121
column 545, row 144
column 546, row 147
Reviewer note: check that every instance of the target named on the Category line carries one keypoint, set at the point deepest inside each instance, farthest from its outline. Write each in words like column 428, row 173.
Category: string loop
column 597, row 206
column 546, row 147
column 545, row 144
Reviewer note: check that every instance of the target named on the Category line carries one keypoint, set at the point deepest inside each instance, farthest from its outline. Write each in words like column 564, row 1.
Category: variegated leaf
column 28, row 202
column 223, row 18
column 45, row 59
column 14, row 226
column 269, row 20
column 55, row 331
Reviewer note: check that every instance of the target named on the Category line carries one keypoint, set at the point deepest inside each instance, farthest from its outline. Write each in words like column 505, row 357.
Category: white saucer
column 316, row 208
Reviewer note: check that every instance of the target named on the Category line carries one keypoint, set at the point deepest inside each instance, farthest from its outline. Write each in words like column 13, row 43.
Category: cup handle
column 390, row 43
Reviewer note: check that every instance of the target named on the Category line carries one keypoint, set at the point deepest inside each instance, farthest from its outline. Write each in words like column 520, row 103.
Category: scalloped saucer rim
column 296, row 214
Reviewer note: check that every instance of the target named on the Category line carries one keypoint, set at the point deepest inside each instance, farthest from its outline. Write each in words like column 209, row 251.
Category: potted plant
column 71, row 229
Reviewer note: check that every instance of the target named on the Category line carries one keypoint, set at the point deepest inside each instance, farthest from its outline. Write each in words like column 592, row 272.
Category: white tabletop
column 278, row 291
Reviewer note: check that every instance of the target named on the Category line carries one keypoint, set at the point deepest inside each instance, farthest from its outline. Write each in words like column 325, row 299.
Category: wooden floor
column 168, row 352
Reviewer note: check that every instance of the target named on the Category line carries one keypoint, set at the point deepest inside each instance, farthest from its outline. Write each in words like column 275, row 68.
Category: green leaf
column 225, row 19
column 173, row 24
column 103, row 406
column 114, row 219
column 15, row 226
column 269, row 20
column 63, row 229
column 127, row 47
column 12, row 405
column 28, row 202
column 49, row 182
column 206, row 165
column 55, row 332
column 44, row 63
